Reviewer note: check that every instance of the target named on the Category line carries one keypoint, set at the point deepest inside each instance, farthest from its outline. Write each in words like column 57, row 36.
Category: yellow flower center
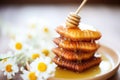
column 32, row 76
column 45, row 52
column 42, row 67
column 18, row 46
column 46, row 29
column 33, row 26
column 9, row 68
column 35, row 55
column 29, row 36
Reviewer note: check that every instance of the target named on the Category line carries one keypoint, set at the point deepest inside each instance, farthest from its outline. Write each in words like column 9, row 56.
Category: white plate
column 107, row 68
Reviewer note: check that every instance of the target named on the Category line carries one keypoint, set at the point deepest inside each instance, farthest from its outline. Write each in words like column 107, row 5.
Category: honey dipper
column 73, row 19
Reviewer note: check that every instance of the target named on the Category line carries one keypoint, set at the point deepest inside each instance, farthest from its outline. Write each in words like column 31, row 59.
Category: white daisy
column 32, row 37
column 46, row 48
column 34, row 54
column 32, row 32
column 18, row 45
column 46, row 34
column 46, row 38
column 30, row 75
column 17, row 33
column 10, row 68
column 43, row 67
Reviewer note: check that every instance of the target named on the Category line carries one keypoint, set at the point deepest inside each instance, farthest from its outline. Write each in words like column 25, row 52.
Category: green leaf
column 1, row 59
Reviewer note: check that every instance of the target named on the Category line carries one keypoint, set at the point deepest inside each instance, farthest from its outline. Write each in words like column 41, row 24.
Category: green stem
column 1, row 59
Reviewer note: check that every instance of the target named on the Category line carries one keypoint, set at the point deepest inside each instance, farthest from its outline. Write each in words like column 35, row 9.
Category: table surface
column 105, row 18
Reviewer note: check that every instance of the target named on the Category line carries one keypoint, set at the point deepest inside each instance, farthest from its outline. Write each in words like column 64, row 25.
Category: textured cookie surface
column 77, row 66
column 76, row 34
column 76, row 45
column 72, row 55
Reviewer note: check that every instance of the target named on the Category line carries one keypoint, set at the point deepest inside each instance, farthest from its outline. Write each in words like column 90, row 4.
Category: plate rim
column 110, row 72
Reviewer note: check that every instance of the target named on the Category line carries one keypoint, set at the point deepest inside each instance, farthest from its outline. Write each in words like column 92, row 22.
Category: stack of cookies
column 76, row 48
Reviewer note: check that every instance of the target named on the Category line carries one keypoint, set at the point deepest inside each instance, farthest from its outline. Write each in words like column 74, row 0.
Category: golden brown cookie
column 76, row 34
column 72, row 55
column 76, row 45
column 77, row 66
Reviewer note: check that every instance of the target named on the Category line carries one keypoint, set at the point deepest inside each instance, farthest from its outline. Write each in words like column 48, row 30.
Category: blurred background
column 102, row 14
column 59, row 1
column 15, row 15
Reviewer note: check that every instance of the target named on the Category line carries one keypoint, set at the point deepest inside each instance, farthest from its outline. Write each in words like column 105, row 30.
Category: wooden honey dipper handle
column 81, row 5
column 73, row 19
